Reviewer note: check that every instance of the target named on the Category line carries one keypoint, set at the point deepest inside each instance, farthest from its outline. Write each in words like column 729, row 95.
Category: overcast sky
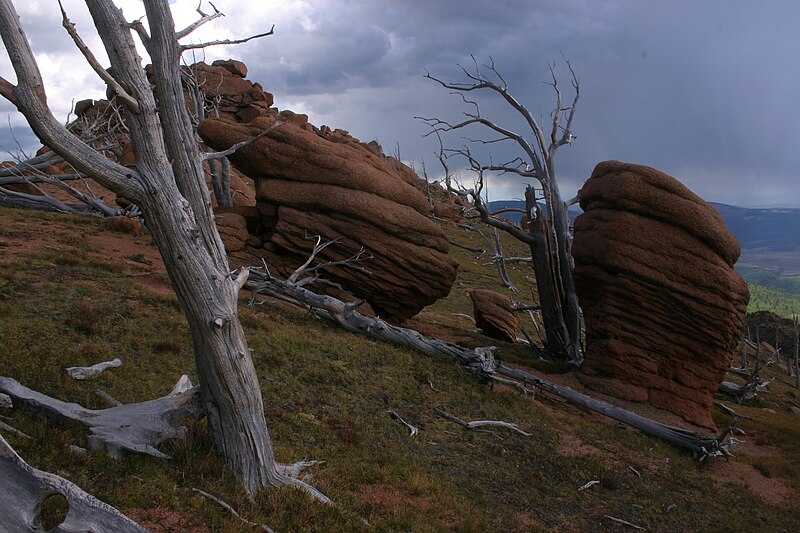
column 707, row 91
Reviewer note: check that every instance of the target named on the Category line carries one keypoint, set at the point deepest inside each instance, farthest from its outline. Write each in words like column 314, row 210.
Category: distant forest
column 772, row 292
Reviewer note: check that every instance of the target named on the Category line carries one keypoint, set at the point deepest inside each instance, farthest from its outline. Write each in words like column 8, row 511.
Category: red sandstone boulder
column 663, row 307
column 320, row 182
column 233, row 230
column 494, row 314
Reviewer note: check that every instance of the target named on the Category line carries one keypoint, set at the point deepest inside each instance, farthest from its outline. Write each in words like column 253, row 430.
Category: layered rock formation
column 663, row 307
column 308, row 185
column 317, row 181
column 494, row 314
column 298, row 181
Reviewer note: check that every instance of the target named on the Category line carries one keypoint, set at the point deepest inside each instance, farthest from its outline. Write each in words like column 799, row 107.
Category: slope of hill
column 75, row 291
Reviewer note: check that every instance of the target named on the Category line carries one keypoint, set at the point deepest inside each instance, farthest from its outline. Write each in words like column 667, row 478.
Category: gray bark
column 550, row 239
column 24, row 488
column 81, row 373
column 136, row 427
column 169, row 186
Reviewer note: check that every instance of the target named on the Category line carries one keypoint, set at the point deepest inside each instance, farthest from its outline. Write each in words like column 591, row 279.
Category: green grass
column 776, row 301
column 326, row 394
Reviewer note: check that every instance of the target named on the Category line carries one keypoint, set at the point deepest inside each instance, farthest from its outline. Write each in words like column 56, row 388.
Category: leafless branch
column 7, row 90
column 199, row 22
column 624, row 522
column 239, row 145
column 185, row 47
column 129, row 100
column 230, row 509
column 13, row 431
column 141, row 31
column 30, row 98
column 411, row 428
column 480, row 423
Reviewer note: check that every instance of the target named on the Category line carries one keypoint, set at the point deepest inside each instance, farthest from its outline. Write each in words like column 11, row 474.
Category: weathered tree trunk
column 563, row 264
column 478, row 361
column 23, row 489
column 168, row 184
column 548, row 235
column 554, row 295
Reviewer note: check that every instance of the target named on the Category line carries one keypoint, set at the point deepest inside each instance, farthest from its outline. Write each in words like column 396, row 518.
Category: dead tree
column 547, row 231
column 24, row 489
column 796, row 354
column 168, row 184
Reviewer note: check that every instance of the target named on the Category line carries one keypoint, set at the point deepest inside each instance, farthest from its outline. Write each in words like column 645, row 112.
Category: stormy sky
column 707, row 91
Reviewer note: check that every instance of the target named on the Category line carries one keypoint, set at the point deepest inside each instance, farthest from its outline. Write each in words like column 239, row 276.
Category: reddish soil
column 166, row 521
column 771, row 490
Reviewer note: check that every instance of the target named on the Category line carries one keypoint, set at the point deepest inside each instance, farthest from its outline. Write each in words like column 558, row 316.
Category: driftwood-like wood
column 23, row 489
column 81, row 373
column 168, row 184
column 700, row 446
column 548, row 235
column 478, row 361
column 5, row 402
column 13, row 430
column 136, row 427
column 477, row 424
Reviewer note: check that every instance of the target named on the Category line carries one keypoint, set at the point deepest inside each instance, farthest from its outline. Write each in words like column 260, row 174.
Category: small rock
column 494, row 315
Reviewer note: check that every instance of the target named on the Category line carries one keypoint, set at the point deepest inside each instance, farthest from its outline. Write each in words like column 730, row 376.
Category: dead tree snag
column 546, row 232
column 168, row 184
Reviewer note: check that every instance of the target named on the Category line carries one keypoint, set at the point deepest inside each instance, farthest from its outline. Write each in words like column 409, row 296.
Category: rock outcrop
column 298, row 181
column 663, row 307
column 316, row 181
column 308, row 185
column 494, row 314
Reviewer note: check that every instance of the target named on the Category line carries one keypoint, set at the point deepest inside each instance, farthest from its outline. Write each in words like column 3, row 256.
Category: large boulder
column 494, row 314
column 312, row 182
column 664, row 308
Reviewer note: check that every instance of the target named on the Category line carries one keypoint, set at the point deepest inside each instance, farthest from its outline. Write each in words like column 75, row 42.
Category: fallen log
column 135, row 427
column 478, row 361
column 23, row 489
column 81, row 373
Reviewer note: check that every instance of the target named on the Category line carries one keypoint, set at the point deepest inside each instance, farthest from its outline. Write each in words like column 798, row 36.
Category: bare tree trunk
column 221, row 180
column 168, row 184
column 563, row 265
column 548, row 236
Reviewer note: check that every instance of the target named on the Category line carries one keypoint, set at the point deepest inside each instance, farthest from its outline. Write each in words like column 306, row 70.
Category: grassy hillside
column 777, row 301
column 327, row 393
column 772, row 292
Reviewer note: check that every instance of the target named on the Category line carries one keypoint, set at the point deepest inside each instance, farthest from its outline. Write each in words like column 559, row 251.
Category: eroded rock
column 307, row 185
column 494, row 314
column 663, row 307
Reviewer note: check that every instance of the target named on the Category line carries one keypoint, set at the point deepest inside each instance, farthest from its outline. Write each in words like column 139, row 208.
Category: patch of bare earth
column 167, row 521
column 771, row 490
column 572, row 446
column 386, row 499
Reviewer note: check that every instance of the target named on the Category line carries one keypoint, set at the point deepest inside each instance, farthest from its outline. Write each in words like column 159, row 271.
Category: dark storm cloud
column 708, row 91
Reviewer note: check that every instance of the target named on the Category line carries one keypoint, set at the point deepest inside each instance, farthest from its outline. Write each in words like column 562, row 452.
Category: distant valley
column 770, row 260
column 769, row 238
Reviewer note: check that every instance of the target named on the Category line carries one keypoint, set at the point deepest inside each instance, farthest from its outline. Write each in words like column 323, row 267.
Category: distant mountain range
column 770, row 238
